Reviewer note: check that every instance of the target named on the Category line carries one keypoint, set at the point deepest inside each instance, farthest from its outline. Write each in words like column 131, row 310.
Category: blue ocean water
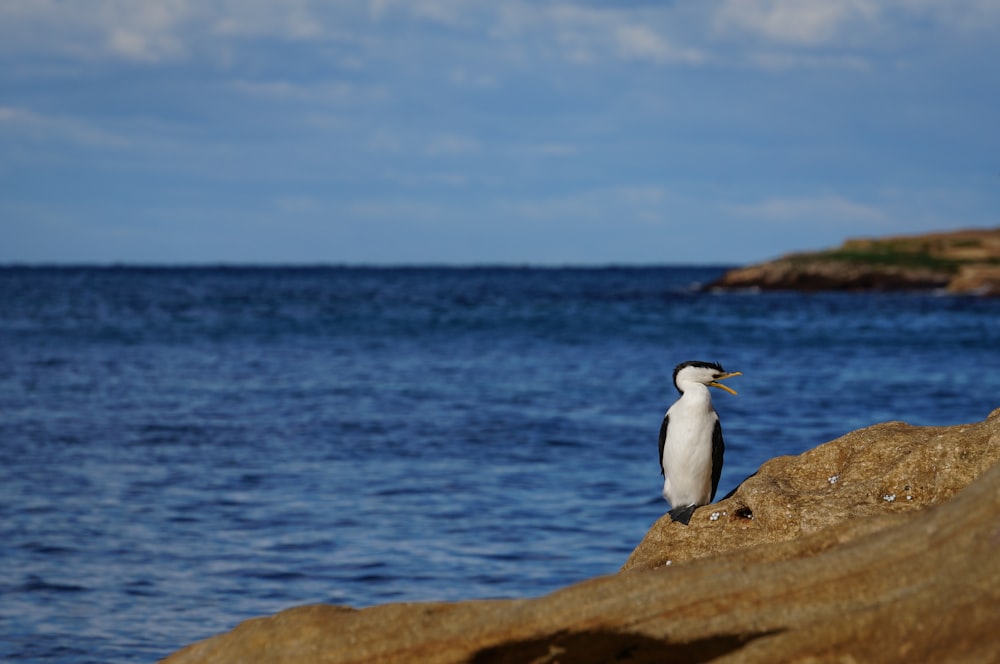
column 183, row 449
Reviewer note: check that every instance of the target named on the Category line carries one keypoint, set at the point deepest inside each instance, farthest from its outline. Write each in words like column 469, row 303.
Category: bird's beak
column 716, row 383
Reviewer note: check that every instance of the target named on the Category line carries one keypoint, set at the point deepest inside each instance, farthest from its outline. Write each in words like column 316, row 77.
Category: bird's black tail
column 682, row 514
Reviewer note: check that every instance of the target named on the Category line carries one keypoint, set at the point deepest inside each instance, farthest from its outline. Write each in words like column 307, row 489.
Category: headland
column 965, row 262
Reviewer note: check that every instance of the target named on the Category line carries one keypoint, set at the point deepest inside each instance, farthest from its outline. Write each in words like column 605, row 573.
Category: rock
column 830, row 568
column 883, row 469
column 976, row 279
column 963, row 262
column 792, row 273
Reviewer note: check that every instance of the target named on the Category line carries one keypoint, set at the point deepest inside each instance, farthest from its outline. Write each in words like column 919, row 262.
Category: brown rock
column 830, row 274
column 901, row 580
column 977, row 279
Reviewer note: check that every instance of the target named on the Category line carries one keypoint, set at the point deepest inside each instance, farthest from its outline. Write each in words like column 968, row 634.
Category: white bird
column 691, row 445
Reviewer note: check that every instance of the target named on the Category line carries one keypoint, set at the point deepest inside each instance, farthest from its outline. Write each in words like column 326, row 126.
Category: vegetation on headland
column 943, row 252
column 881, row 257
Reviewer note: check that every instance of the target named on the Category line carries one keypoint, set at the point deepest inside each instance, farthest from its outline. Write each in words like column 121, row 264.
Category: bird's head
column 706, row 373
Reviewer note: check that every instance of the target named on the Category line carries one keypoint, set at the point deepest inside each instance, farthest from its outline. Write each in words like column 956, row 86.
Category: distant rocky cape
column 880, row 546
column 962, row 262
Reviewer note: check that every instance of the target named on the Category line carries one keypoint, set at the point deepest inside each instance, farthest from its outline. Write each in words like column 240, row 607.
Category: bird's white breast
column 687, row 451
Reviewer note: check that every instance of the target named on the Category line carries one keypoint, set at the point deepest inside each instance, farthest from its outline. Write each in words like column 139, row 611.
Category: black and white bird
column 691, row 445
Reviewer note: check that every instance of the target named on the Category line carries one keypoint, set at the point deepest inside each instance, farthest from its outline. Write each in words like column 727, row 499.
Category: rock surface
column 874, row 547
column 962, row 262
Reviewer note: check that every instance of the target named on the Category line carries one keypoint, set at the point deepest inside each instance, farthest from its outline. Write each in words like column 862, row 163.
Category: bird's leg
column 682, row 514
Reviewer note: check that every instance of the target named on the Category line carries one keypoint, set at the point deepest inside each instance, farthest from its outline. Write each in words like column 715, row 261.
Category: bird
column 691, row 445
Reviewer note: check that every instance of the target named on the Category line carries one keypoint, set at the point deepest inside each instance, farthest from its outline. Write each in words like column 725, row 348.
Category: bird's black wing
column 718, row 449
column 663, row 441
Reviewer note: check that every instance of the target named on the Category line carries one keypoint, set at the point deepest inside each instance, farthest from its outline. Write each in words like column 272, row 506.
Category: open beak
column 716, row 383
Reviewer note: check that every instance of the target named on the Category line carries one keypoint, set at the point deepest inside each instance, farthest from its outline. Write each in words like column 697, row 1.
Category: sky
column 484, row 132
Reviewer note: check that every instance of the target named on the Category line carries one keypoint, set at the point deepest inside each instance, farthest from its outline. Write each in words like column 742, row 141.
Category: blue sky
column 443, row 131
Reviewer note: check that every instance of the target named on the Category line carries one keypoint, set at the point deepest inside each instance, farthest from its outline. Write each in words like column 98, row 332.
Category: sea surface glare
column 183, row 449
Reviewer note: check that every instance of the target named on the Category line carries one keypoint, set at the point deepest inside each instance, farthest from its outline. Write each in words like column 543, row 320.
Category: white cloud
column 322, row 92
column 824, row 208
column 37, row 126
column 641, row 195
column 140, row 46
column 801, row 22
column 146, row 31
column 141, row 31
column 447, row 12
column 297, row 204
column 784, row 61
column 960, row 15
column 154, row 32
column 452, row 145
column 464, row 78
column 625, row 204
column 547, row 149
column 850, row 23
column 639, row 42
column 295, row 20
column 426, row 179
column 593, row 36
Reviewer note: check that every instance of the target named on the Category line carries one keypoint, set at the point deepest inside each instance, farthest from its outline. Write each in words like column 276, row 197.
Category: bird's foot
column 682, row 514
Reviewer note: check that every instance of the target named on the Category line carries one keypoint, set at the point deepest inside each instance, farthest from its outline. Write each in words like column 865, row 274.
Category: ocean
column 186, row 448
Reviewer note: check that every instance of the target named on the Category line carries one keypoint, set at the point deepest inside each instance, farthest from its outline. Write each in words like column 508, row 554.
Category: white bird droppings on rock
column 889, row 497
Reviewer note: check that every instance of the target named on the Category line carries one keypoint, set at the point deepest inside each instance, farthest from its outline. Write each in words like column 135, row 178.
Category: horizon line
column 249, row 265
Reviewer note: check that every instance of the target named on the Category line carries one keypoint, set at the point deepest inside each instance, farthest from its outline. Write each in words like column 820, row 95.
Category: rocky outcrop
column 962, row 262
column 879, row 546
